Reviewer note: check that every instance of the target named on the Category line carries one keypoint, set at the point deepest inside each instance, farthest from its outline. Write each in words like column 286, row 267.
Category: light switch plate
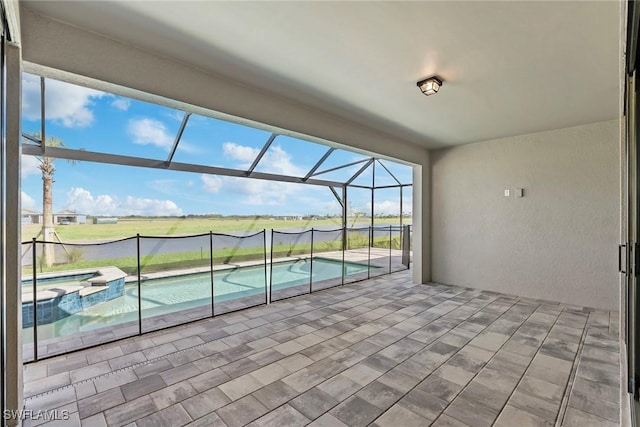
column 507, row 193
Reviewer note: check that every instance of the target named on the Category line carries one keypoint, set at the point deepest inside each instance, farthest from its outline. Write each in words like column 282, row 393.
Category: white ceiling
column 509, row 68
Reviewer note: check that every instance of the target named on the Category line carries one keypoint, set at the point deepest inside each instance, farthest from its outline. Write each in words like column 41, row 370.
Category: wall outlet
column 507, row 193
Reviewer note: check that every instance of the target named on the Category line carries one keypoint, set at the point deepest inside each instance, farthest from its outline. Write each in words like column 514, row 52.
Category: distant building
column 105, row 220
column 67, row 217
column 31, row 217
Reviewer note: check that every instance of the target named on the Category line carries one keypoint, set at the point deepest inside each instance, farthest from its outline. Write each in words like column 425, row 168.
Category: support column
column 13, row 308
column 401, row 191
column 373, row 186
column 422, row 221
column 345, row 220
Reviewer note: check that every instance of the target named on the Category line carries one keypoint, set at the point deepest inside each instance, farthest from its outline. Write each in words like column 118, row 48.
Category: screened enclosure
column 339, row 216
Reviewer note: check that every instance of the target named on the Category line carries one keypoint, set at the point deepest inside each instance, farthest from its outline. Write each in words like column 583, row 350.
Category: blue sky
column 97, row 121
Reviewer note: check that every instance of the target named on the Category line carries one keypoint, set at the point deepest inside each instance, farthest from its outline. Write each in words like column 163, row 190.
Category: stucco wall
column 558, row 242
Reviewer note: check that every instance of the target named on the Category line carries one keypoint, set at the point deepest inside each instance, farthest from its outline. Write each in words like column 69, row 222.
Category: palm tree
column 48, row 229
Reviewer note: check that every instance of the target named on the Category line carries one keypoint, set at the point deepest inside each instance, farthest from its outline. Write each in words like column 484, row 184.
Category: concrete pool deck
column 384, row 351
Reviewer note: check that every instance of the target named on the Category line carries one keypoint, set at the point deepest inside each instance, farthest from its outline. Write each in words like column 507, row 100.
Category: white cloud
column 386, row 207
column 27, row 201
column 83, row 201
column 257, row 192
column 121, row 104
column 149, row 207
column 407, row 202
column 29, row 166
column 261, row 192
column 251, row 191
column 276, row 159
column 248, row 191
column 240, row 152
column 297, row 198
column 331, row 207
column 150, row 131
column 210, row 183
column 67, row 104
column 279, row 161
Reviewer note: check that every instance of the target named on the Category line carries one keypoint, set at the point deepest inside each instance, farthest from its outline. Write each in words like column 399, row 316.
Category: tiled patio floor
column 384, row 352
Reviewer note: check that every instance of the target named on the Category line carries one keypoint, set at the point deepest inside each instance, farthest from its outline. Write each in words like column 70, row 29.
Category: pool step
column 92, row 290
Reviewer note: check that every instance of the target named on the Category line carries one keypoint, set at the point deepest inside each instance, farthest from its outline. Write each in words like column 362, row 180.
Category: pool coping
column 104, row 275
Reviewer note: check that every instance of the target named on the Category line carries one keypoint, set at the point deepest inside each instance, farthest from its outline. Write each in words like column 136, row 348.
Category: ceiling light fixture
column 430, row 86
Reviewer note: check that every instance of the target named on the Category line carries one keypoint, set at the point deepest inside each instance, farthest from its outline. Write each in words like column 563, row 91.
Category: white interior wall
column 558, row 242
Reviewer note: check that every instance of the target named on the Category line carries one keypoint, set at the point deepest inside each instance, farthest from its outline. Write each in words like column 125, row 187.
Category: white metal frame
column 33, row 146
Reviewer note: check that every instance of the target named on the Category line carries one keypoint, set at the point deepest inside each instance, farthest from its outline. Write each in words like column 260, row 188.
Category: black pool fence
column 79, row 295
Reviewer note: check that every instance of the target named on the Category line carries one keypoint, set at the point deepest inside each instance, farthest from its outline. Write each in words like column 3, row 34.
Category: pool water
column 177, row 293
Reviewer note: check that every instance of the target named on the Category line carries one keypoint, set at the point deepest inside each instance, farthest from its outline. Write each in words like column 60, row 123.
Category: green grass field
column 127, row 227
column 179, row 260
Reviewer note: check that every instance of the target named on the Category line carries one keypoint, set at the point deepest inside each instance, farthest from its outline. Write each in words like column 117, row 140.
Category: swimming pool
column 176, row 293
